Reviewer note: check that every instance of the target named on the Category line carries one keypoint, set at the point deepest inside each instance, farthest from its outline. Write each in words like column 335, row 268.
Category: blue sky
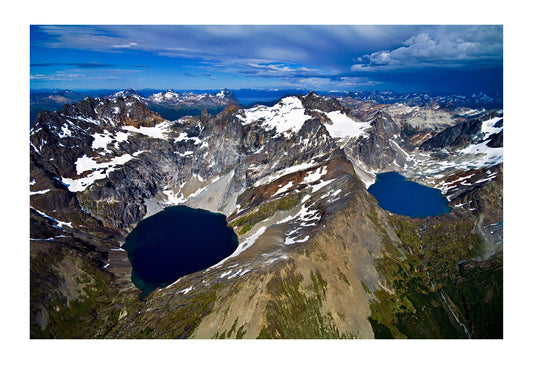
column 451, row 58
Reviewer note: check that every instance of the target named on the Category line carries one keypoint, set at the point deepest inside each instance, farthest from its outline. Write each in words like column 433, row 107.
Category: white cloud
column 437, row 47
column 57, row 76
column 278, row 69
column 127, row 45
column 330, row 83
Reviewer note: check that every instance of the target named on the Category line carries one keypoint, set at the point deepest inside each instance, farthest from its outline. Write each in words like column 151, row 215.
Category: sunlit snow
column 287, row 116
column 60, row 224
column 283, row 189
column 100, row 170
column 315, row 175
column 184, row 137
column 65, row 131
column 88, row 163
column 39, row 192
column 487, row 127
column 102, row 140
column 343, row 126
column 321, row 184
column 249, row 241
column 158, row 131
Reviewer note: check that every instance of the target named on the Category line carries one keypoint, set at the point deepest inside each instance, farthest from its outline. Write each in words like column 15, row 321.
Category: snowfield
column 345, row 127
column 286, row 117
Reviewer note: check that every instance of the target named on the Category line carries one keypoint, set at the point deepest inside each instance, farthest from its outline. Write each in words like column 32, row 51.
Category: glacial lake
column 176, row 242
column 398, row 195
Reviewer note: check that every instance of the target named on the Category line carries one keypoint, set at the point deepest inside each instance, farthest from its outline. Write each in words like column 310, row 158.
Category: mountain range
column 317, row 256
column 180, row 103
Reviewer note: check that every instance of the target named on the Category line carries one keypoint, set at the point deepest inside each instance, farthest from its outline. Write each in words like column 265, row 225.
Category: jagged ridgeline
column 317, row 257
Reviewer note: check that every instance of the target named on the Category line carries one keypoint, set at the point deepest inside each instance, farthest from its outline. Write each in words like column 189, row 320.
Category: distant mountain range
column 170, row 104
column 173, row 104
column 476, row 100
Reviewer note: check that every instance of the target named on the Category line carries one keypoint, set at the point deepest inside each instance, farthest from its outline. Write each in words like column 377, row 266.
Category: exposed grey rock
column 455, row 137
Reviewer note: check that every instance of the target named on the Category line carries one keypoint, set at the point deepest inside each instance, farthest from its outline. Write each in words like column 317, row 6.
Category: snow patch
column 290, row 241
column 239, row 273
column 101, row 170
column 487, row 156
column 102, row 140
column 80, row 184
column 283, row 189
column 184, row 137
column 85, row 119
column 88, row 163
column 345, row 127
column 321, row 184
column 65, row 131
column 487, row 127
column 175, row 198
column 306, row 217
column 186, row 290
column 121, row 136
column 156, row 132
column 187, row 153
column 315, row 175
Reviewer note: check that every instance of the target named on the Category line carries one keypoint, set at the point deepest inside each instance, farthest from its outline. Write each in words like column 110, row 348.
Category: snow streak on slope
column 249, row 241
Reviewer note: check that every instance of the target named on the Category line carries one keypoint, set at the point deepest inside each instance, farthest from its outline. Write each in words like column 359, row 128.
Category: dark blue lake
column 398, row 195
column 176, row 242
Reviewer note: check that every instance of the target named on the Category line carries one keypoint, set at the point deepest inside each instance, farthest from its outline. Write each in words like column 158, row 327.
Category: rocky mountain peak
column 85, row 107
column 125, row 93
column 226, row 93
column 313, row 101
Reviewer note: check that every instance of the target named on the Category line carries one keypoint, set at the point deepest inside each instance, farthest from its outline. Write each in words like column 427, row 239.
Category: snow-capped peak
column 287, row 116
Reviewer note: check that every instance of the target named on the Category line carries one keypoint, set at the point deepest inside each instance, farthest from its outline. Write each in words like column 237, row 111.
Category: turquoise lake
column 398, row 195
column 176, row 242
